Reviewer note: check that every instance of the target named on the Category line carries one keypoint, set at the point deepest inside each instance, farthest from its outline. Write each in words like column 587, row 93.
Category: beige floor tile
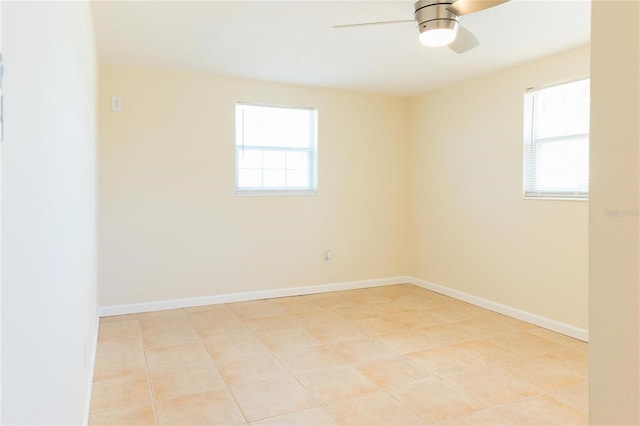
column 544, row 374
column 210, row 315
column 481, row 418
column 578, row 345
column 389, row 309
column 336, row 333
column 176, row 356
column 576, row 397
column 119, row 344
column 453, row 312
column 119, row 364
column 272, row 323
column 395, row 291
column 219, row 329
column 406, row 341
column 211, row 408
column 572, row 359
column 444, row 361
column 381, row 355
column 558, row 338
column 417, row 303
column 487, row 351
column 329, row 300
column 309, row 358
column 418, row 319
column 234, row 347
column 379, row 325
column 525, row 344
column 272, row 398
column 362, row 350
column 318, row 319
column 490, row 325
column 542, row 411
column 393, row 372
column 451, row 333
column 119, row 329
column 472, row 310
column 187, row 380
column 511, row 323
column 351, row 313
column 292, row 305
column 514, row 324
column 141, row 416
column 163, row 320
column 284, row 340
column 251, row 368
column 492, row 387
column 435, row 401
column 253, row 309
column 365, row 296
column 336, row 384
column 157, row 338
column 377, row 408
column 310, row 417
column 121, row 393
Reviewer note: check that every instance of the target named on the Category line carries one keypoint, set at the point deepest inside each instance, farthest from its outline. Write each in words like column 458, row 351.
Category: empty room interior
column 299, row 213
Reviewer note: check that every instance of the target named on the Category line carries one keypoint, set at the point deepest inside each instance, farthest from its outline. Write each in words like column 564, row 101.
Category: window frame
column 312, row 151
column 529, row 145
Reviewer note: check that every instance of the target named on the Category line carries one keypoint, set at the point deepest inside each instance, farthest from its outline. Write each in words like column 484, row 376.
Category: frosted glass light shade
column 437, row 37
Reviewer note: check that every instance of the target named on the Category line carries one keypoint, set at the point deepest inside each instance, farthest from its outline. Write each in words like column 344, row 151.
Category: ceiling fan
column 438, row 22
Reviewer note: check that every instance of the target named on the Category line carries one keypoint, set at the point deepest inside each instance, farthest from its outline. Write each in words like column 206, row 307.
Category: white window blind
column 556, row 141
column 275, row 149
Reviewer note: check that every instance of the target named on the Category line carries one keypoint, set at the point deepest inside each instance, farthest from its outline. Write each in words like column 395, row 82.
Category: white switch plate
column 116, row 103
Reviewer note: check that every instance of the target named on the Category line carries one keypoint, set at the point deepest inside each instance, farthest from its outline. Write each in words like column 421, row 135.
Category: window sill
column 269, row 193
column 552, row 198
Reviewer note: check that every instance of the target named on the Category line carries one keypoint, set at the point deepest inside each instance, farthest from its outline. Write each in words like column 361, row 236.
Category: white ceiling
column 294, row 42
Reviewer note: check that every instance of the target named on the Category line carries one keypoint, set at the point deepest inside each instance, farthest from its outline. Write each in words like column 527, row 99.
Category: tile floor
column 393, row 355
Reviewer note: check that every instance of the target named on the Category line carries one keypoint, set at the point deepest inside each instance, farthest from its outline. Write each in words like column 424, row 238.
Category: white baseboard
column 560, row 327
column 553, row 325
column 105, row 311
column 92, row 367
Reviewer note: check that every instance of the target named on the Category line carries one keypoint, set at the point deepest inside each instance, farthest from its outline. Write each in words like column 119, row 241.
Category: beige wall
column 614, row 350
column 48, row 212
column 471, row 228
column 171, row 225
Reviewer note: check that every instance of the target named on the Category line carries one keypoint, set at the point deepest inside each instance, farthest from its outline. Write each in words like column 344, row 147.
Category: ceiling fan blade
column 465, row 7
column 464, row 41
column 365, row 24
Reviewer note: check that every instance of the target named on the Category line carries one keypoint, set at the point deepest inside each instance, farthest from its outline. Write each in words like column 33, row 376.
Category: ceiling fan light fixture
column 437, row 25
column 436, row 37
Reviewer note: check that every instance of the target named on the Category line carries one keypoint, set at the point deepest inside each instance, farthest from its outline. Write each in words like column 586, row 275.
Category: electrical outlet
column 327, row 257
column 117, row 103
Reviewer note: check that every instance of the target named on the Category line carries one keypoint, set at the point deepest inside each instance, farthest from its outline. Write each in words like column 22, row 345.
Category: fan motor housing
column 431, row 15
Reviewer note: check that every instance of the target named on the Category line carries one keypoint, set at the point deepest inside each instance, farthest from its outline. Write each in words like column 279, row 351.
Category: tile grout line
column 117, row 378
column 227, row 385
column 319, row 404
column 146, row 369
column 271, row 352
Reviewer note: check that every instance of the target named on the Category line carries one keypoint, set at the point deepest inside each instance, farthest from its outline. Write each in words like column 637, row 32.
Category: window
column 275, row 150
column 556, row 141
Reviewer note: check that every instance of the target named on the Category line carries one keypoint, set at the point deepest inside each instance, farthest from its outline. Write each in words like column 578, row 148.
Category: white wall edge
column 105, row 311
column 92, row 367
column 544, row 322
